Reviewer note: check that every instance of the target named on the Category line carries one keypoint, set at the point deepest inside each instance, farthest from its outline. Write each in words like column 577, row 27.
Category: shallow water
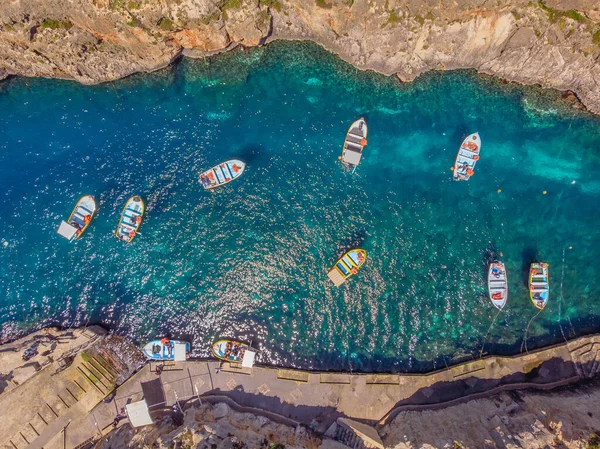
column 250, row 260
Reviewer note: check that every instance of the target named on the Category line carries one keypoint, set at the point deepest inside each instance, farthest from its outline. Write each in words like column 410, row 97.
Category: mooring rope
column 488, row 331
column 560, row 300
column 527, row 330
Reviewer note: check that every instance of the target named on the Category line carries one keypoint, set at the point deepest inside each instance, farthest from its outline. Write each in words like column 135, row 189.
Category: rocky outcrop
column 207, row 427
column 554, row 43
column 566, row 419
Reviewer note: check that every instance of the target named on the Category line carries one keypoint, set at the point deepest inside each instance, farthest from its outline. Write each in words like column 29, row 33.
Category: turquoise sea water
column 250, row 260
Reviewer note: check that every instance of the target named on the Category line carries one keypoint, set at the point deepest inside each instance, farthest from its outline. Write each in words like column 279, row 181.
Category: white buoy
column 5, row 243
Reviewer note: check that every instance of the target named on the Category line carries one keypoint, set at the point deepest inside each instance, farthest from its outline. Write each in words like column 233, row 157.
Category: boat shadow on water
column 356, row 239
column 249, row 153
column 528, row 256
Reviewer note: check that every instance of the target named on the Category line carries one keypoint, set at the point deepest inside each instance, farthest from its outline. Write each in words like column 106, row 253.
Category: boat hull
column 222, row 174
column 131, row 219
column 161, row 350
column 498, row 284
column 354, row 144
column 539, row 284
column 467, row 157
column 347, row 266
column 229, row 350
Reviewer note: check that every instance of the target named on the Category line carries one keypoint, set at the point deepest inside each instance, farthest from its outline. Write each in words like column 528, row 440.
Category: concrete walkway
column 317, row 399
column 311, row 398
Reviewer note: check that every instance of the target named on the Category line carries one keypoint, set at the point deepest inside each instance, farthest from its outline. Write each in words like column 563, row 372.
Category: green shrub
column 392, row 18
column 572, row 14
column 56, row 24
column 275, row 4
column 230, row 4
column 165, row 24
column 596, row 37
column 323, row 4
column 116, row 4
column 554, row 14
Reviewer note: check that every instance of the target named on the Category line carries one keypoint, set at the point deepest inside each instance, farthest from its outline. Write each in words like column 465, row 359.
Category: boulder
column 224, row 429
column 258, row 421
column 220, row 410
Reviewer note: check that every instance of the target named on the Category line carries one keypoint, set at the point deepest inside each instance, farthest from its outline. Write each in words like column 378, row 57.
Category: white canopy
column 248, row 360
column 179, row 352
column 66, row 230
column 352, row 157
column 138, row 414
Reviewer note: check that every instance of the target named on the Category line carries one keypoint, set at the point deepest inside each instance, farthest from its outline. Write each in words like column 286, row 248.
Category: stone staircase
column 354, row 435
column 586, row 356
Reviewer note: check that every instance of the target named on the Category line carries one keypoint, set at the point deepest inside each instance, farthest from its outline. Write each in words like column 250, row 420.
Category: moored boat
column 355, row 142
column 498, row 284
column 348, row 265
column 539, row 284
column 79, row 220
column 222, row 174
column 166, row 349
column 467, row 157
column 131, row 219
column 229, row 350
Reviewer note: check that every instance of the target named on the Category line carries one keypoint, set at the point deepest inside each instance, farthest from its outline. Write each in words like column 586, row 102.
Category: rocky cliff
column 567, row 418
column 211, row 427
column 554, row 43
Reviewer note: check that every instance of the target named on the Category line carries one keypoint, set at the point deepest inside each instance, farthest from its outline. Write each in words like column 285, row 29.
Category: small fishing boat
column 467, row 157
column 356, row 140
column 222, row 174
column 79, row 220
column 348, row 265
column 539, row 285
column 131, row 219
column 230, row 350
column 165, row 349
column 498, row 284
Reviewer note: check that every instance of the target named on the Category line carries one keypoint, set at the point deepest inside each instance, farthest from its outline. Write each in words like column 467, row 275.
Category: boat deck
column 336, row 277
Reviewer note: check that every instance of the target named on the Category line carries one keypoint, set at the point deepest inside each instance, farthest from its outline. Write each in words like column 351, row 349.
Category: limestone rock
column 525, row 420
column 220, row 410
column 92, row 41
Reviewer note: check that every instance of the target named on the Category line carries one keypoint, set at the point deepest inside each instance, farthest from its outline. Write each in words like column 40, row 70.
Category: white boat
column 498, row 284
column 467, row 157
column 165, row 349
column 79, row 220
column 356, row 140
column 222, row 174
column 131, row 219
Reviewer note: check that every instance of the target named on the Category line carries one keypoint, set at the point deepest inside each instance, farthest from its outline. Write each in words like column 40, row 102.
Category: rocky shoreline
column 551, row 43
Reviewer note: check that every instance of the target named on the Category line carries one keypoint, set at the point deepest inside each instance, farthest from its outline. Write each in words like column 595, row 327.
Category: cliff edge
column 553, row 43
